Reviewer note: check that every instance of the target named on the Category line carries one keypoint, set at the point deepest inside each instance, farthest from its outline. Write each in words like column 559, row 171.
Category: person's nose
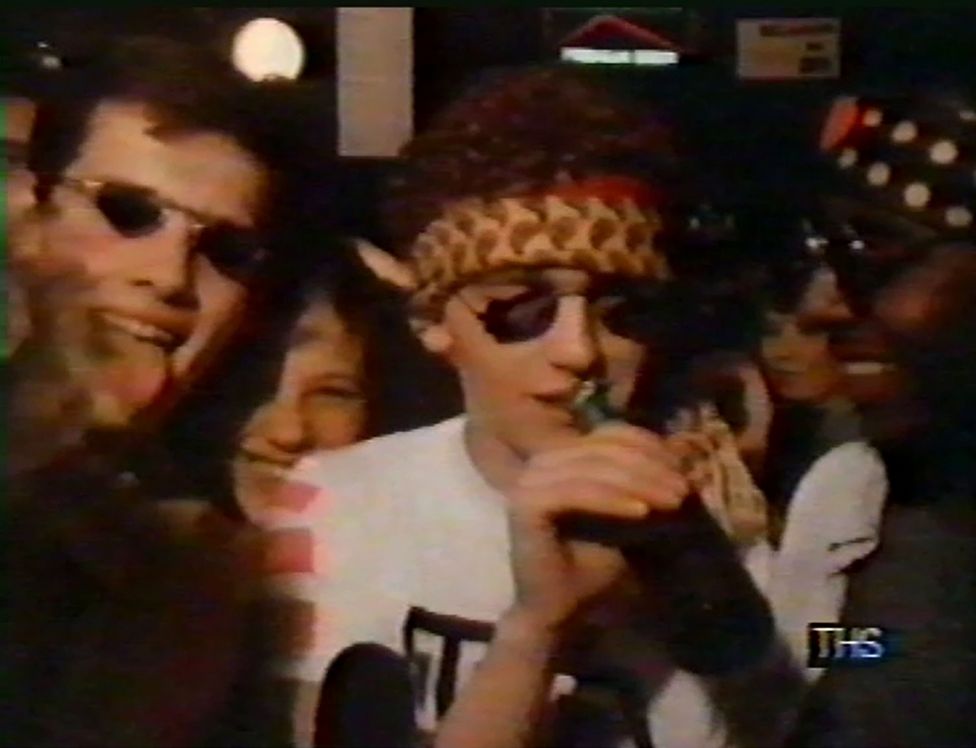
column 570, row 342
column 280, row 433
column 166, row 260
column 831, row 307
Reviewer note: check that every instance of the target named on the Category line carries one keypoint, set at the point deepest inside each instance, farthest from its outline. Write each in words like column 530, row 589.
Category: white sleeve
column 833, row 520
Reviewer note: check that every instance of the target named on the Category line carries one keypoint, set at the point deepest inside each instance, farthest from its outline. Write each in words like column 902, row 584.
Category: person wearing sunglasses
column 150, row 187
column 897, row 227
column 532, row 219
column 138, row 252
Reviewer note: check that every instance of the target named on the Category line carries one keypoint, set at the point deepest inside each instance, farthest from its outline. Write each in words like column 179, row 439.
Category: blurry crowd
column 188, row 335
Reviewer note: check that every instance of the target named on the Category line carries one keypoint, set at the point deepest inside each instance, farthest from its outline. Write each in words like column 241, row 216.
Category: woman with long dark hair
column 330, row 361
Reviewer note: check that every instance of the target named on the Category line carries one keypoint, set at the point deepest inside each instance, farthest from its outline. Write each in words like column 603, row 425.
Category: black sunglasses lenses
column 134, row 212
column 530, row 315
column 234, row 252
column 131, row 211
column 521, row 318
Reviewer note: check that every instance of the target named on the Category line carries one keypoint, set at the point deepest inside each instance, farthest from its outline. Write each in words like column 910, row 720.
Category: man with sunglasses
column 138, row 250
column 151, row 194
column 898, row 230
column 533, row 216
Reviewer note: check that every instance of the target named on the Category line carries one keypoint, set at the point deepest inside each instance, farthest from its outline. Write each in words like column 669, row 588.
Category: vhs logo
column 841, row 644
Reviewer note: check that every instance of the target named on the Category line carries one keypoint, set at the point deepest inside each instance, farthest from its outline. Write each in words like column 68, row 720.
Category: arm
column 504, row 703
column 833, row 522
column 616, row 471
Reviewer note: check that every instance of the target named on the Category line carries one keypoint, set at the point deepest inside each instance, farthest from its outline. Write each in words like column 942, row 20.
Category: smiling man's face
column 155, row 307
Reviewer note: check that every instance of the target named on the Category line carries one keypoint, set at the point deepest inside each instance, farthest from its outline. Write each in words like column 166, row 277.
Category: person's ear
column 433, row 336
column 387, row 268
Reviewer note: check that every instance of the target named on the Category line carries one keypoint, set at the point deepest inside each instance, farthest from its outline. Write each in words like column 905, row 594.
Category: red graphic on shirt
column 294, row 627
column 294, row 495
column 290, row 551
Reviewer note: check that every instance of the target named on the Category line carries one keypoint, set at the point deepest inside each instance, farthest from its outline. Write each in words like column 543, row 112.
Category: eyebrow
column 165, row 201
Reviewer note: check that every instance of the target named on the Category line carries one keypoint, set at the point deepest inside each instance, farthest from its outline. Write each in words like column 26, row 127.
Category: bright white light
column 266, row 48
column 648, row 57
column 655, row 57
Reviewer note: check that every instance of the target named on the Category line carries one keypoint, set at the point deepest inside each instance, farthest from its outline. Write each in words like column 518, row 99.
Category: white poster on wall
column 788, row 48
column 374, row 78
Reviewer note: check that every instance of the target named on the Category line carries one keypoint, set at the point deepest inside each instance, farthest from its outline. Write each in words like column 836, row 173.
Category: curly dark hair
column 519, row 134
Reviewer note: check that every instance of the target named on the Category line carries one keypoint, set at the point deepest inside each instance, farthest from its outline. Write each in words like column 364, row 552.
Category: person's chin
column 128, row 390
column 548, row 437
column 256, row 484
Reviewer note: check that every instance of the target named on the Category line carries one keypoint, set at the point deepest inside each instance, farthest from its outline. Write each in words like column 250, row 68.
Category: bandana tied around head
column 608, row 225
column 605, row 226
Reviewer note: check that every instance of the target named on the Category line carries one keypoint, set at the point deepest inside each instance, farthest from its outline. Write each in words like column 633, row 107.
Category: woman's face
column 318, row 404
column 797, row 361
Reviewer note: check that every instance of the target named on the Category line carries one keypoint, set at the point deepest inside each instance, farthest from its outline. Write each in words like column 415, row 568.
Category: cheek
column 810, row 351
column 257, row 424
column 911, row 312
column 623, row 358
column 77, row 234
column 221, row 309
column 20, row 194
column 485, row 366
column 505, row 373
column 221, row 303
column 336, row 425
column 80, row 246
column 221, row 299
column 771, row 348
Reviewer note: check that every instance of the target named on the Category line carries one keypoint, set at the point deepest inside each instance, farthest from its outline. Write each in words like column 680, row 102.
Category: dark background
column 736, row 126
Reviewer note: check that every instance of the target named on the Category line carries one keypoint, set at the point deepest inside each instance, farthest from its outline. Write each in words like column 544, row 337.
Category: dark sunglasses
column 865, row 256
column 135, row 211
column 627, row 312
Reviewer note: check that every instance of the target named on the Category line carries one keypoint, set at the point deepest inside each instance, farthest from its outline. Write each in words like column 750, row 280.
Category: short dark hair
column 186, row 88
column 517, row 134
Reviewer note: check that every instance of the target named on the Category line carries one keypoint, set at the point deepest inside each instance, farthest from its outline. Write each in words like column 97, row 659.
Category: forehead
column 320, row 332
column 205, row 171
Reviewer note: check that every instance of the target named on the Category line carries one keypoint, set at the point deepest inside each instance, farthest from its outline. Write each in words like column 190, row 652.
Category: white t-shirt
column 363, row 535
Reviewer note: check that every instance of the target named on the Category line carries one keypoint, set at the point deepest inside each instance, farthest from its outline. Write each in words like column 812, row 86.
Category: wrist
column 523, row 634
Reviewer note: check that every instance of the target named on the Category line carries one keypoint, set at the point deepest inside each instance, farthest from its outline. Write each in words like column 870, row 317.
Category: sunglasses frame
column 554, row 297
column 199, row 222
column 848, row 251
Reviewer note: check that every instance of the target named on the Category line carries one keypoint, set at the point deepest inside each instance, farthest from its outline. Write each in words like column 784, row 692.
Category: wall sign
column 788, row 48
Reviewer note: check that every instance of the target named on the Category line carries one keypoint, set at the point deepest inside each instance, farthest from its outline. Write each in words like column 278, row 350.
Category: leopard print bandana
column 588, row 232
column 713, row 464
